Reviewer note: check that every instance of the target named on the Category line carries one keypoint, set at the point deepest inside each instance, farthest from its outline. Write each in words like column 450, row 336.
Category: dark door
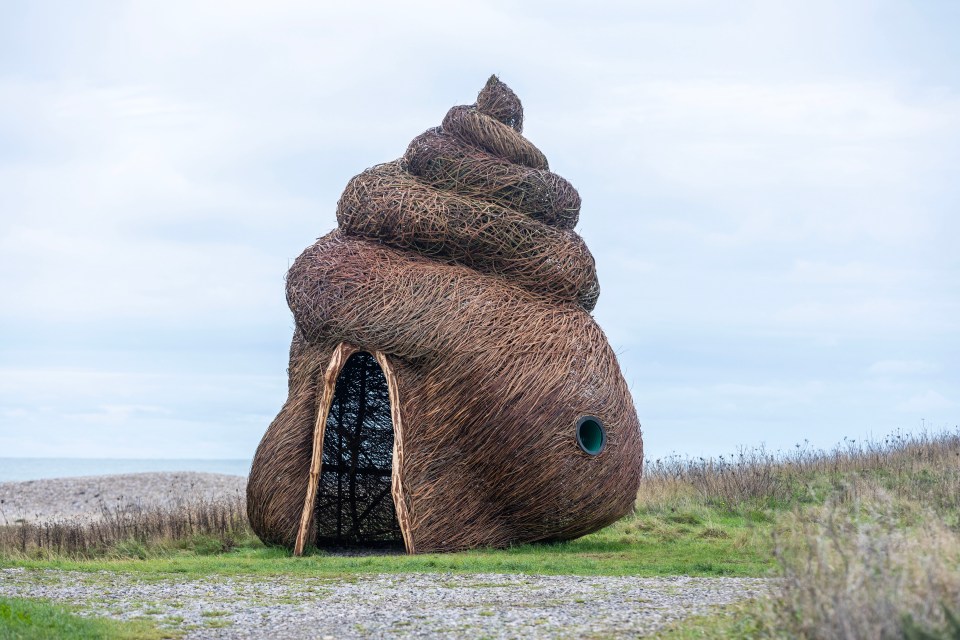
column 354, row 505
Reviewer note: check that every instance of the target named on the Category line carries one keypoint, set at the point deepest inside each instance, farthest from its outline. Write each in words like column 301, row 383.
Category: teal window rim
column 591, row 435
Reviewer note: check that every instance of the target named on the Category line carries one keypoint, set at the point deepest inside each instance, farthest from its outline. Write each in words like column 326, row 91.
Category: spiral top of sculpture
column 476, row 192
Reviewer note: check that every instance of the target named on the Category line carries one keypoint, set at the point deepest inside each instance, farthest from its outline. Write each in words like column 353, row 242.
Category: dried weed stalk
column 131, row 531
column 866, row 566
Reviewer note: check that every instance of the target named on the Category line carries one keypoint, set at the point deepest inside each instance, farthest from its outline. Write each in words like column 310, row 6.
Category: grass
column 744, row 620
column 650, row 543
column 868, row 565
column 25, row 619
column 202, row 539
column 865, row 539
column 202, row 527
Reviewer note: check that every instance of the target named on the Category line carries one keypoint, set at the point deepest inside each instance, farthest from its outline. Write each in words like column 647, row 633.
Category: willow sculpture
column 448, row 387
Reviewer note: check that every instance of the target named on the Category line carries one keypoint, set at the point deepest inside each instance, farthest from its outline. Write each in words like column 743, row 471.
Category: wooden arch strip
column 337, row 360
column 399, row 496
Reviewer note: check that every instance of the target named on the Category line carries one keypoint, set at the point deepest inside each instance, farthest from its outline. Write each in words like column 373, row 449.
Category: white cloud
column 903, row 367
column 760, row 180
column 928, row 401
column 855, row 273
column 89, row 412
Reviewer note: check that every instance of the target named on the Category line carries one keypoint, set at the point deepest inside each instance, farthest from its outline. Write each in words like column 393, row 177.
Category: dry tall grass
column 923, row 467
column 205, row 527
column 867, row 535
column 867, row 565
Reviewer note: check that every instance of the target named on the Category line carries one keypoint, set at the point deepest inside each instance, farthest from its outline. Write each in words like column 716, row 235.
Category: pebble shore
column 87, row 497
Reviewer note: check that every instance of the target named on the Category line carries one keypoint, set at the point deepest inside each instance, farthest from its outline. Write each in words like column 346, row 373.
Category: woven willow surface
column 459, row 263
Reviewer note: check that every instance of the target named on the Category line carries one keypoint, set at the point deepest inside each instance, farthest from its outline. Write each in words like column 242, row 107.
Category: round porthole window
column 591, row 436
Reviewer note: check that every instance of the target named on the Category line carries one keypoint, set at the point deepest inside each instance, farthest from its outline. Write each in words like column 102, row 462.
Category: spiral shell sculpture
column 448, row 388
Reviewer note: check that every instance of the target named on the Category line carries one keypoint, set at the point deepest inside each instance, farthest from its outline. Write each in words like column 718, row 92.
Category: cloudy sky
column 770, row 190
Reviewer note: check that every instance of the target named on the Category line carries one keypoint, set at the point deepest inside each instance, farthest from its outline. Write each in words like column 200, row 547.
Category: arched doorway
column 354, row 506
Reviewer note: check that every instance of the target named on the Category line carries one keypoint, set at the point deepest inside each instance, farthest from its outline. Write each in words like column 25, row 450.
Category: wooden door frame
column 338, row 359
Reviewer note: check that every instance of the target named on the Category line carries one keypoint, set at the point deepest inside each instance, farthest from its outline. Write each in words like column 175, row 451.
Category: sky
column 770, row 192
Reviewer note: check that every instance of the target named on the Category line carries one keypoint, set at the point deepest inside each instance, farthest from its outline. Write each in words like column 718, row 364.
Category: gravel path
column 391, row 606
column 86, row 497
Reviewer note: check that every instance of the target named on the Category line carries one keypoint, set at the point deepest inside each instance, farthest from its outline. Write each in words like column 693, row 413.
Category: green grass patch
column 28, row 619
column 743, row 621
column 704, row 542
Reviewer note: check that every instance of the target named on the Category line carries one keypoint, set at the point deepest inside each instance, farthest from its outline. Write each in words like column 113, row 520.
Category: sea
column 19, row 469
